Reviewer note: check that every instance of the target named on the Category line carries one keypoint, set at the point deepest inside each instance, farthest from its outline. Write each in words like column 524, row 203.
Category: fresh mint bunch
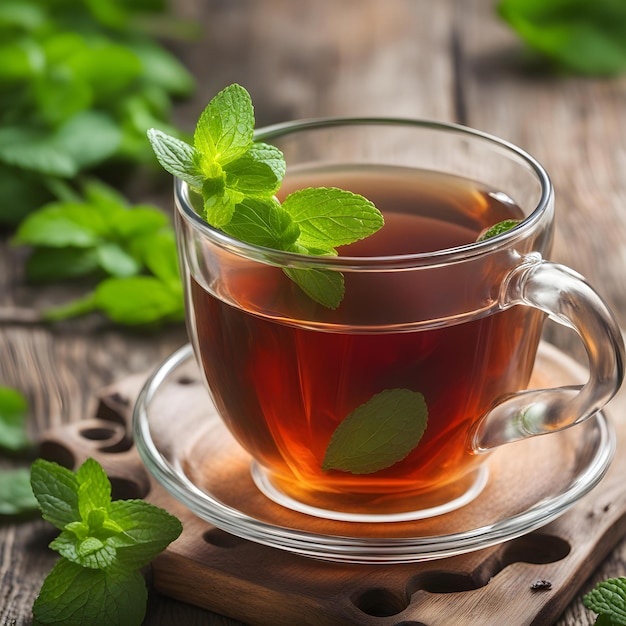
column 608, row 600
column 103, row 544
column 238, row 180
column 81, row 82
column 129, row 250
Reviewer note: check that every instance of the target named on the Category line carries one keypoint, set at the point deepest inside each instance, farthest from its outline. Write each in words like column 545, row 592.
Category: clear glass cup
column 458, row 324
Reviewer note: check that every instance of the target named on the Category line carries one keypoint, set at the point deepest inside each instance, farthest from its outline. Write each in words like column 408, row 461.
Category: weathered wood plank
column 448, row 60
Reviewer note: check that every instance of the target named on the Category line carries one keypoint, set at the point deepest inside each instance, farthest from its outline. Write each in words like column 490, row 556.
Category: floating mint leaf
column 331, row 217
column 225, row 128
column 497, row 229
column 379, row 433
column 608, row 599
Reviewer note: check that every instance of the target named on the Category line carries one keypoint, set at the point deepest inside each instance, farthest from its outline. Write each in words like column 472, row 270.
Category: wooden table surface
column 446, row 60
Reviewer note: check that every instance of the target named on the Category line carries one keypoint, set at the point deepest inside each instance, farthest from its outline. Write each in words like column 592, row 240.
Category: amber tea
column 283, row 384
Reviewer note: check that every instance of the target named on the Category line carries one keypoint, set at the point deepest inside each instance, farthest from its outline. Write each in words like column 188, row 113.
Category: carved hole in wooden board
column 536, row 548
column 58, row 453
column 126, row 489
column 113, row 436
column 380, row 602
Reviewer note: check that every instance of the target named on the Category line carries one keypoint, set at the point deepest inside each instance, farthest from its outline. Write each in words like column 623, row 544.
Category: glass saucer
column 191, row 454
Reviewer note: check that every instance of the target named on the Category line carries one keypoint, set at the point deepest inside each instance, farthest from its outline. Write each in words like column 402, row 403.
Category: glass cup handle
column 569, row 300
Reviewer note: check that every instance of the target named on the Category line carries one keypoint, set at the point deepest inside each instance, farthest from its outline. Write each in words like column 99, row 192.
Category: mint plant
column 81, row 82
column 130, row 251
column 574, row 35
column 103, row 544
column 608, row 600
column 238, row 180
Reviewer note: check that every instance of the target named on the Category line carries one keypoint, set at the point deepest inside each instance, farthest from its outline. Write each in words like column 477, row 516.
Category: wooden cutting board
column 527, row 580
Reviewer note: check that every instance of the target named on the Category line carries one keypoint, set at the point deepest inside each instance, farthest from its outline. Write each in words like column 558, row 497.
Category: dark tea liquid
column 283, row 384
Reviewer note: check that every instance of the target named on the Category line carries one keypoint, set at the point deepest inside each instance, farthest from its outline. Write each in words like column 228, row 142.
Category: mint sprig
column 608, row 600
column 103, row 544
column 238, row 180
column 379, row 433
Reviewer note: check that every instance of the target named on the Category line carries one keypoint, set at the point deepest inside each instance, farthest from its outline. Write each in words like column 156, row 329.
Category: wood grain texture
column 449, row 60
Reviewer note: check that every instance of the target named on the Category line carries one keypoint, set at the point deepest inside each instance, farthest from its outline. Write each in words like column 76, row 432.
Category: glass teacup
column 384, row 407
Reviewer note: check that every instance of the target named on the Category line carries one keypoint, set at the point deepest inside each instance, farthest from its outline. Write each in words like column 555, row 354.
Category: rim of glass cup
column 376, row 263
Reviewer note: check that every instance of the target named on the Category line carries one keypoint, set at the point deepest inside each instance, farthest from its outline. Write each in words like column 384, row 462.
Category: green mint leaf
column 163, row 68
column 270, row 156
column 115, row 261
column 60, row 225
column 158, row 253
column 262, row 223
column 75, row 308
column 89, row 552
column 608, row 599
column 16, row 495
column 33, row 149
column 324, row 286
column 13, row 410
column 89, row 137
column 146, row 531
column 219, row 202
column 329, row 217
column 56, row 490
column 75, row 596
column 139, row 220
column 379, row 433
column 225, row 128
column 176, row 157
column 46, row 265
column 258, row 172
column 97, row 194
column 497, row 229
column 139, row 300
column 583, row 37
column 94, row 488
